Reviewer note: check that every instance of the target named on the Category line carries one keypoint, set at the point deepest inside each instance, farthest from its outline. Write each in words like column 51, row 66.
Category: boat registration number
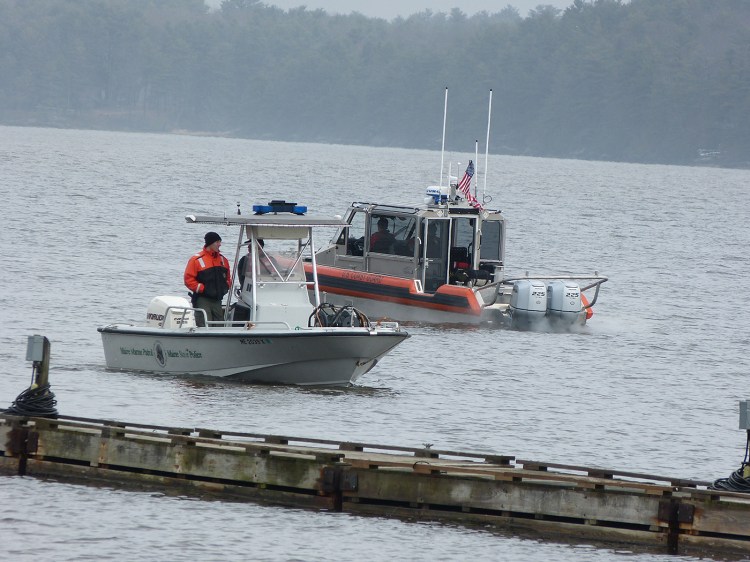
column 254, row 341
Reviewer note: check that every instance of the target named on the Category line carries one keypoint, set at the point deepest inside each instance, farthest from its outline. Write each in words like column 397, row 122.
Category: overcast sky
column 390, row 9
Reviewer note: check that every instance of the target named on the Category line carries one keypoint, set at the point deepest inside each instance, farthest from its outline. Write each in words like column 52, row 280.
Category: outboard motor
column 181, row 316
column 528, row 304
column 563, row 303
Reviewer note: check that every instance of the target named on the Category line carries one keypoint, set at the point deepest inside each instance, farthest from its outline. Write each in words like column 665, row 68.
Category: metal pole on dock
column 37, row 400
column 38, row 351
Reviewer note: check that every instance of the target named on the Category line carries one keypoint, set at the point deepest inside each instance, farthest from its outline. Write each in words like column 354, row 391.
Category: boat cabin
column 273, row 245
column 443, row 242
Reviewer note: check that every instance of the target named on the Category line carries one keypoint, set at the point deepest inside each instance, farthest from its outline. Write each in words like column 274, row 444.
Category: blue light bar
column 279, row 207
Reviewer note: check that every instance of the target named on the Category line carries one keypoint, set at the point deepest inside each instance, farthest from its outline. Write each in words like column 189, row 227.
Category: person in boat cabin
column 241, row 312
column 265, row 267
column 382, row 240
column 434, row 244
column 207, row 275
column 242, row 266
column 265, row 263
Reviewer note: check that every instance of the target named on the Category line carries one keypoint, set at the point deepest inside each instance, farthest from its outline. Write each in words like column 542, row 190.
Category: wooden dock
column 565, row 501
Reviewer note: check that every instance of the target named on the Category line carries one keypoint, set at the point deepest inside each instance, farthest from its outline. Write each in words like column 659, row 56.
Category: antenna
column 476, row 159
column 442, row 149
column 487, row 146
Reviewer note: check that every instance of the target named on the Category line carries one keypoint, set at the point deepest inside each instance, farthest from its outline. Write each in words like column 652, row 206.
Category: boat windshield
column 392, row 234
column 492, row 236
column 354, row 236
column 280, row 266
column 277, row 260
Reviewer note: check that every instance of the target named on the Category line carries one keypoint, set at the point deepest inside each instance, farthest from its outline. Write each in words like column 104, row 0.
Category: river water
column 93, row 227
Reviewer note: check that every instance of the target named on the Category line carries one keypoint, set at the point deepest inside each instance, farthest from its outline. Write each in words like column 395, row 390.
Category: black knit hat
column 211, row 237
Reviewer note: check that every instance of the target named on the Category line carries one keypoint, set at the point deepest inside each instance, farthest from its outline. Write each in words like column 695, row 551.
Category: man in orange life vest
column 207, row 276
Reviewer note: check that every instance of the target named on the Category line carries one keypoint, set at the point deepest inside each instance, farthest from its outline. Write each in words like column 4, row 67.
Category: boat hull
column 385, row 296
column 315, row 356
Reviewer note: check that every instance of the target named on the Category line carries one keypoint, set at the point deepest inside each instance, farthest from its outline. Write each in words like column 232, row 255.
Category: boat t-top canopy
column 286, row 220
column 284, row 227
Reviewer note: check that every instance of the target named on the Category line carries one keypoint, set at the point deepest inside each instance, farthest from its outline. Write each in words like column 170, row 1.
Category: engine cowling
column 528, row 303
column 563, row 302
column 169, row 312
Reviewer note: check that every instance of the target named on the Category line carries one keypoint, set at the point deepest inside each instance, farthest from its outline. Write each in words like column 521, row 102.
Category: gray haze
column 389, row 9
column 607, row 80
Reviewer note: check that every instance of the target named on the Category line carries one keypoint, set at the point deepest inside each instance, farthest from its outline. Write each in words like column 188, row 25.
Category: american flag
column 464, row 186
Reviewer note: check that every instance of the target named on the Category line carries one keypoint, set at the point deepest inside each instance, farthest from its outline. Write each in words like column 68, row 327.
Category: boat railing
column 596, row 282
column 261, row 282
column 184, row 310
column 385, row 324
column 247, row 325
column 182, row 322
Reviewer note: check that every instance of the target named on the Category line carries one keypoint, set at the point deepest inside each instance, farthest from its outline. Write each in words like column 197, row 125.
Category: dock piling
column 38, row 400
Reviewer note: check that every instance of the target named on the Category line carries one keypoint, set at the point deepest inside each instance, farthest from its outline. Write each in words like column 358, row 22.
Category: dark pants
column 213, row 308
column 241, row 313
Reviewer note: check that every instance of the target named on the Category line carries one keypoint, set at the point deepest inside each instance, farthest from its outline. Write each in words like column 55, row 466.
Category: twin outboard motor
column 535, row 305
column 563, row 302
column 528, row 304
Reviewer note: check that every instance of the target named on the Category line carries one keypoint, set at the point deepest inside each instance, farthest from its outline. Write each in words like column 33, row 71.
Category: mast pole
column 487, row 146
column 442, row 149
column 476, row 169
column 316, row 284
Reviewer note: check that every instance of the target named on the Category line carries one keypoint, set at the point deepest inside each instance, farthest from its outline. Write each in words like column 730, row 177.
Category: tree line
column 664, row 81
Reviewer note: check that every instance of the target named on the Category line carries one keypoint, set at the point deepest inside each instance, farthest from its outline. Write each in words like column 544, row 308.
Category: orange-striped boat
column 443, row 262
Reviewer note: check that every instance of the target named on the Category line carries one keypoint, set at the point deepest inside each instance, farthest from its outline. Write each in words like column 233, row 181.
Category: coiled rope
column 36, row 401
column 345, row 316
column 739, row 480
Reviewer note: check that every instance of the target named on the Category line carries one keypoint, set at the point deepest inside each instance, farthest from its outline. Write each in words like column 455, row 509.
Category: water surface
column 94, row 227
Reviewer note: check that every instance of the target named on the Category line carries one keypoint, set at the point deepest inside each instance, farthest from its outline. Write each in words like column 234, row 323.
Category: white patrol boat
column 282, row 337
